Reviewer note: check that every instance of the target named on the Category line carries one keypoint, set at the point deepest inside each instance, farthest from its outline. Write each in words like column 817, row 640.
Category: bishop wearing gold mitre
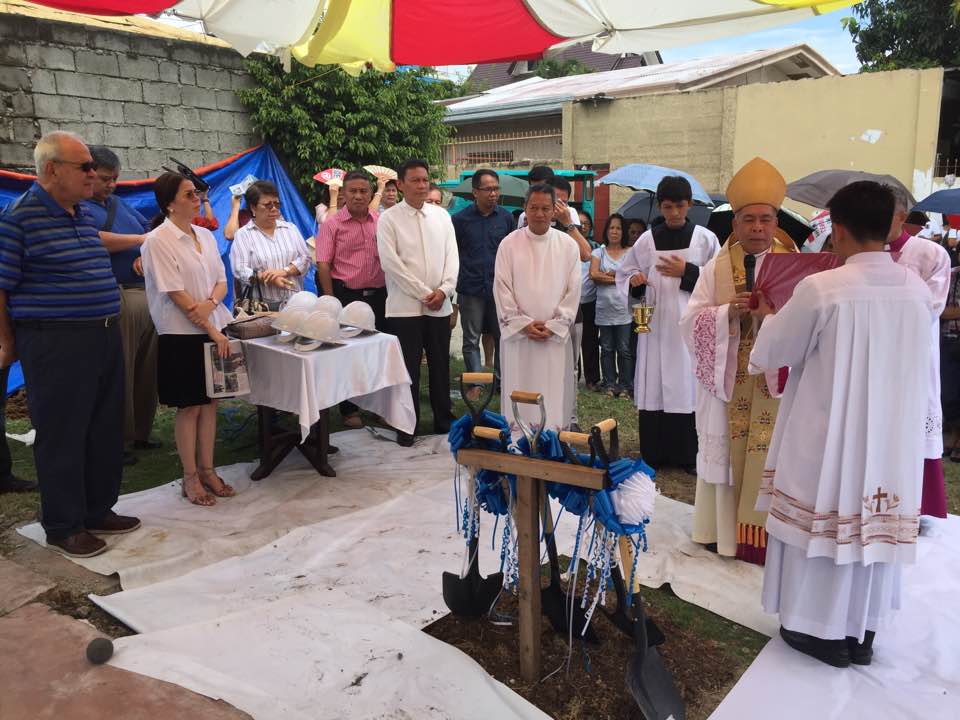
column 735, row 411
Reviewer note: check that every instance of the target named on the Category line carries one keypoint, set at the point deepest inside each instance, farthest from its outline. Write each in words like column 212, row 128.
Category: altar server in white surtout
column 666, row 260
column 537, row 291
column 844, row 500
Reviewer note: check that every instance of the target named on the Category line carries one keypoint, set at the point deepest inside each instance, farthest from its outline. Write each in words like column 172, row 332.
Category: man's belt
column 365, row 292
column 65, row 324
column 133, row 286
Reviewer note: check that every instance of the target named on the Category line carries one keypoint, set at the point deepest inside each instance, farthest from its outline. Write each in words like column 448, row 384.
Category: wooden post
column 528, row 536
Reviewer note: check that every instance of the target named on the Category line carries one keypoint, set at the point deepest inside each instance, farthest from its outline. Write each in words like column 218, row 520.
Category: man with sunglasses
column 480, row 228
column 122, row 231
column 59, row 307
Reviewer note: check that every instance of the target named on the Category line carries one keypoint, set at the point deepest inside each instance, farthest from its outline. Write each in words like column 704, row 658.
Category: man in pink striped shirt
column 348, row 264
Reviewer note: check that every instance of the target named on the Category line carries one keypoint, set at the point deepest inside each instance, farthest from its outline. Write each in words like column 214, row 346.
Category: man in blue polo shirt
column 59, row 305
column 480, row 228
column 122, row 231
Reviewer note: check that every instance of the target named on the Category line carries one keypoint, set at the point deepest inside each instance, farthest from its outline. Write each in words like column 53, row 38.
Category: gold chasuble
column 752, row 409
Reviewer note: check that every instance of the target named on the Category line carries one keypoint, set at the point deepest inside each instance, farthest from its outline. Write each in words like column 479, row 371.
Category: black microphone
column 750, row 265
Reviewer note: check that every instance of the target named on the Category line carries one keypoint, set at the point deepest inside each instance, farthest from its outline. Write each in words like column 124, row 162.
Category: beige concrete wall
column 879, row 122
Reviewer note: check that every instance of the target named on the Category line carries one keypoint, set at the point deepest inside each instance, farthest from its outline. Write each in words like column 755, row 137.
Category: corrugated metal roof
column 680, row 76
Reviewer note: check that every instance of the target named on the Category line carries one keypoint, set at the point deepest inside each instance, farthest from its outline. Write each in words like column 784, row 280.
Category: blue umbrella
column 640, row 176
column 942, row 201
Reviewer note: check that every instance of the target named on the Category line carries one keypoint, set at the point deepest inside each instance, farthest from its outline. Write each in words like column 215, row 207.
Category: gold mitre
column 757, row 182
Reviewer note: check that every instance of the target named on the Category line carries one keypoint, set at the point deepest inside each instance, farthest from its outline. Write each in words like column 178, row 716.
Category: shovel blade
column 651, row 685
column 556, row 605
column 471, row 596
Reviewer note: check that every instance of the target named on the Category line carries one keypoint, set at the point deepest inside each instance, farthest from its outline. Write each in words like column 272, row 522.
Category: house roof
column 536, row 96
column 493, row 75
column 122, row 23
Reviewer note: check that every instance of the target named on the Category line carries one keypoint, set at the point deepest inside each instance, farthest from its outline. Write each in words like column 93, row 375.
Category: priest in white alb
column 735, row 411
column 931, row 262
column 537, row 292
column 843, row 474
column 665, row 265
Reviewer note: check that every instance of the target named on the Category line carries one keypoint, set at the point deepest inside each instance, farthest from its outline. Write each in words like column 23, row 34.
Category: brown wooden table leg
column 528, row 549
column 274, row 447
column 317, row 445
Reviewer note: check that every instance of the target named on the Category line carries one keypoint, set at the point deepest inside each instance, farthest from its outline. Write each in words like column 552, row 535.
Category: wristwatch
column 561, row 227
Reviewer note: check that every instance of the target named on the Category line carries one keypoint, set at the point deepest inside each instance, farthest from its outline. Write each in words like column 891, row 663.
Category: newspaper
column 226, row 377
column 241, row 187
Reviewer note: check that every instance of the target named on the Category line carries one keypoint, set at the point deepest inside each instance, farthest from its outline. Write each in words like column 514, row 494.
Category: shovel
column 469, row 594
column 650, row 683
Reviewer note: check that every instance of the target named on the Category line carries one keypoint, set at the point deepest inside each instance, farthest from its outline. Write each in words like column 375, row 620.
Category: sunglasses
column 271, row 205
column 86, row 167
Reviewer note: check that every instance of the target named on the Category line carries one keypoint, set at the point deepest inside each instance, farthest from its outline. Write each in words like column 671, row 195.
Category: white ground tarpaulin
column 916, row 667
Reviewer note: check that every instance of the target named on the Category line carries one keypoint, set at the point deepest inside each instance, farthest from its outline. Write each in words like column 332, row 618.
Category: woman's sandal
column 204, row 499
column 208, row 474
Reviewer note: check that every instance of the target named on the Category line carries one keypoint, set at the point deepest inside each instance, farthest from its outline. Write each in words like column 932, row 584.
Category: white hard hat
column 303, row 300
column 359, row 316
column 318, row 329
column 328, row 305
column 289, row 320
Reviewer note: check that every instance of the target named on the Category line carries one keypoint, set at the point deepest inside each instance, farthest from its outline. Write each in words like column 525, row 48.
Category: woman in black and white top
column 268, row 250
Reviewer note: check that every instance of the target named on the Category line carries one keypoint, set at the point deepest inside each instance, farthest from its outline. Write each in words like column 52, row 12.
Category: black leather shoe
column 861, row 653
column 17, row 484
column 147, row 445
column 831, row 652
column 404, row 439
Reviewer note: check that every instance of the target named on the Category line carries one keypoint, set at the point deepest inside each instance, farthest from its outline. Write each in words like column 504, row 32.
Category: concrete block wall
column 145, row 97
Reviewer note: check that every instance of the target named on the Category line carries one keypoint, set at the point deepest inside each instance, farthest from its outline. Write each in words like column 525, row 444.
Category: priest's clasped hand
column 672, row 266
column 638, row 279
column 740, row 306
column 537, row 330
column 434, row 301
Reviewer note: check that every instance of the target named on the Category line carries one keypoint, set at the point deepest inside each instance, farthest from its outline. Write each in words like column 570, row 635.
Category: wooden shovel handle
column 575, row 438
column 606, row 425
column 477, row 378
column 487, row 433
column 529, row 398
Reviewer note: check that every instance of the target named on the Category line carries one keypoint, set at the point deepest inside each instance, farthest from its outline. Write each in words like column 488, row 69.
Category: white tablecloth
column 368, row 371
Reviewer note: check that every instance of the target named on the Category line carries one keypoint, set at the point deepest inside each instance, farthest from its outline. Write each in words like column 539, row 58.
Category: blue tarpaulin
column 261, row 162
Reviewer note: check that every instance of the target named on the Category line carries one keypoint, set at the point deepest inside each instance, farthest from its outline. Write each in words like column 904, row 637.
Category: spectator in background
column 613, row 312
column 348, row 263
column 205, row 218
column 269, row 252
column 239, row 217
column 59, row 305
column 479, row 229
column 586, row 225
column 390, row 196
column 635, row 228
column 435, row 196
column 186, row 284
column 590, row 333
column 418, row 253
column 122, row 232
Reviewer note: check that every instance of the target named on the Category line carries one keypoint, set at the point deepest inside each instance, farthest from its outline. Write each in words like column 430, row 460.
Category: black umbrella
column 721, row 223
column 642, row 205
column 817, row 188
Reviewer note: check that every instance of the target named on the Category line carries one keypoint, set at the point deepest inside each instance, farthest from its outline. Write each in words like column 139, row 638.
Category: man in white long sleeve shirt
column 418, row 254
column 537, row 291
column 844, row 502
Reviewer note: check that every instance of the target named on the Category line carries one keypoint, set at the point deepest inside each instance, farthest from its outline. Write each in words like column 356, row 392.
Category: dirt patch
column 74, row 602
column 17, row 406
column 594, row 686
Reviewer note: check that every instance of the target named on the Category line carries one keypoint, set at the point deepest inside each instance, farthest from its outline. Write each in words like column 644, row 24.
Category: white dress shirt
column 171, row 263
column 418, row 254
column 254, row 250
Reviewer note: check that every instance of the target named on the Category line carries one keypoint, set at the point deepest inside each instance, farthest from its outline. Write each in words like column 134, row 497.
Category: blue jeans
column 616, row 356
column 476, row 314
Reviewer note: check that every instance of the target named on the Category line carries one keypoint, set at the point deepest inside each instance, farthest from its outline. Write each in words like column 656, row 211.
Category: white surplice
column 537, row 278
column 932, row 263
column 663, row 378
column 843, row 496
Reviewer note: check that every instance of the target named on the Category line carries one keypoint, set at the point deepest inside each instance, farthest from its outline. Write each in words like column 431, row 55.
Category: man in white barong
column 844, row 502
column 735, row 411
column 537, row 291
column 663, row 267
column 931, row 262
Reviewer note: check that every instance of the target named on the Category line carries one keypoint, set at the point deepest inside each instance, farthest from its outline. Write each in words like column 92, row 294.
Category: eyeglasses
column 271, row 205
column 191, row 194
column 84, row 166
column 489, row 190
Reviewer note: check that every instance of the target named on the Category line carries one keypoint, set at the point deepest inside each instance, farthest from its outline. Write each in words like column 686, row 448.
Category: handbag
column 255, row 327
column 251, row 300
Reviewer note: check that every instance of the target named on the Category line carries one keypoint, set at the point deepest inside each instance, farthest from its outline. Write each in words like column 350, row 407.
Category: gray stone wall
column 145, row 97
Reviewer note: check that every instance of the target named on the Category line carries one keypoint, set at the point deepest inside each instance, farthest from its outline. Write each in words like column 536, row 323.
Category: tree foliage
column 554, row 69
column 892, row 34
column 321, row 117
